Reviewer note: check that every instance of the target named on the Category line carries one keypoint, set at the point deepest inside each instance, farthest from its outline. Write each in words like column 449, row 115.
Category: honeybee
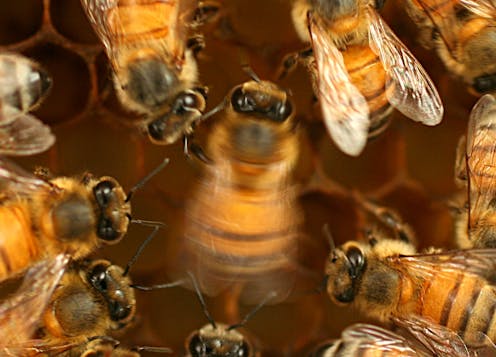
column 359, row 69
column 91, row 299
column 42, row 218
column 108, row 347
column 23, row 86
column 475, row 171
column 155, row 72
column 385, row 280
column 463, row 33
column 242, row 224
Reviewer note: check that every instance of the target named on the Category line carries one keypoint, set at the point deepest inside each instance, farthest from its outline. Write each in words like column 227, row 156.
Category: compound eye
column 98, row 277
column 241, row 101
column 281, row 111
column 156, row 129
column 196, row 346
column 357, row 261
column 103, row 192
column 119, row 312
column 185, row 102
column 105, row 230
column 244, row 351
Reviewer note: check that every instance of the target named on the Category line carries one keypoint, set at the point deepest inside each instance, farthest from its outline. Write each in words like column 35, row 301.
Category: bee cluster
column 303, row 166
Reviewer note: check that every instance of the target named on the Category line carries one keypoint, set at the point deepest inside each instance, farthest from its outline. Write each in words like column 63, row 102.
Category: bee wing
column 480, row 262
column 345, row 110
column 413, row 92
column 380, row 339
column 26, row 135
column 15, row 179
column 121, row 26
column 439, row 340
column 481, row 156
column 20, row 315
column 482, row 8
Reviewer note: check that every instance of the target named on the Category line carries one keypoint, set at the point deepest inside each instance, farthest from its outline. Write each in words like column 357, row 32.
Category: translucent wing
column 26, row 135
column 482, row 8
column 20, row 315
column 18, row 181
column 448, row 265
column 439, row 340
column 481, row 157
column 374, row 338
column 345, row 110
column 133, row 25
column 413, row 92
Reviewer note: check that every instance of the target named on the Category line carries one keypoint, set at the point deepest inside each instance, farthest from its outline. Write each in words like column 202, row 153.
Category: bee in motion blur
column 463, row 32
column 386, row 281
column 59, row 312
column 155, row 72
column 369, row 340
column 359, row 69
column 23, row 86
column 243, row 222
column 475, row 171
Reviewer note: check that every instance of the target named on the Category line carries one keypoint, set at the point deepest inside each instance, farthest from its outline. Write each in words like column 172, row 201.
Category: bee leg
column 290, row 61
column 461, row 163
column 389, row 218
column 196, row 44
column 191, row 147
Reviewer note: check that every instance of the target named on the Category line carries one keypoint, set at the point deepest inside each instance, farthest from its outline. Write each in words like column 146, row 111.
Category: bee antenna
column 146, row 223
column 145, row 179
column 249, row 315
column 152, row 349
column 202, row 300
column 140, row 249
column 327, row 233
column 250, row 72
column 213, row 111
column 158, row 286
column 108, row 339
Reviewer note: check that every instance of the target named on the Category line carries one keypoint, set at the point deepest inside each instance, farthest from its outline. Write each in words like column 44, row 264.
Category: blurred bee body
column 154, row 72
column 385, row 281
column 41, row 219
column 243, row 223
column 475, row 172
column 356, row 71
column 463, row 33
column 23, row 86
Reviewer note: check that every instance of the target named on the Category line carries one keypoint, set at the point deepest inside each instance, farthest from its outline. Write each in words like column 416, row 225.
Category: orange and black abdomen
column 463, row 302
column 18, row 243
column 368, row 76
column 243, row 222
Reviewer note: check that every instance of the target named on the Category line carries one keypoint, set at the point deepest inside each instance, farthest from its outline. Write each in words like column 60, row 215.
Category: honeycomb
column 408, row 168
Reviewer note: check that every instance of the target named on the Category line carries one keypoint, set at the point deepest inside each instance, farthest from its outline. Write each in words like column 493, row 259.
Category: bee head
column 115, row 290
column 169, row 126
column 113, row 210
column 262, row 99
column 218, row 340
column 344, row 269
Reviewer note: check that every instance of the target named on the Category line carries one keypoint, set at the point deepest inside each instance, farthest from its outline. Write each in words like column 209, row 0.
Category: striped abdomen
column 18, row 245
column 243, row 223
column 463, row 302
column 23, row 84
column 368, row 76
